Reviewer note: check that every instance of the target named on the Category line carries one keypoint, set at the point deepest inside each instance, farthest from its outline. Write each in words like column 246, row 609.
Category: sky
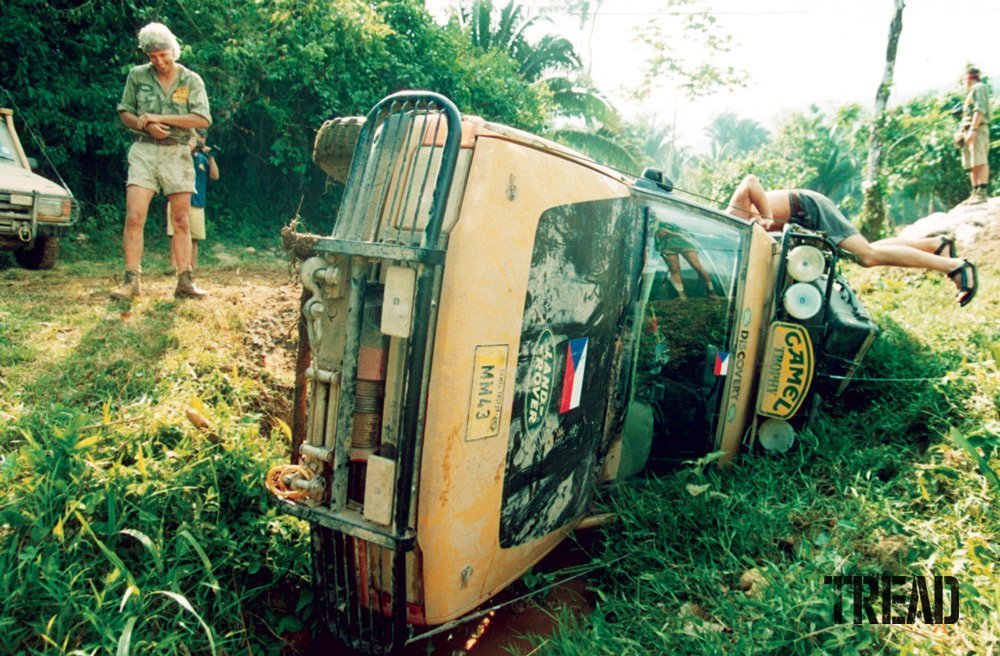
column 795, row 53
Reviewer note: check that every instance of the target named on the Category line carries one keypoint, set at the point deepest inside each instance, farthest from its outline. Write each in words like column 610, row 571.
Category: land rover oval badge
column 539, row 381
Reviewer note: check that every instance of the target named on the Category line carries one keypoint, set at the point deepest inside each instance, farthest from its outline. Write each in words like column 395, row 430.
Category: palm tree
column 503, row 28
column 552, row 61
column 731, row 134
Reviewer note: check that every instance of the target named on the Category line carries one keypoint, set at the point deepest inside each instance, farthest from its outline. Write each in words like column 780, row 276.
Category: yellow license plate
column 486, row 402
column 788, row 371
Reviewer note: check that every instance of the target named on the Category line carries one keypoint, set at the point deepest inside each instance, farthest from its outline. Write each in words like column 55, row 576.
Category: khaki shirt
column 143, row 94
column 978, row 100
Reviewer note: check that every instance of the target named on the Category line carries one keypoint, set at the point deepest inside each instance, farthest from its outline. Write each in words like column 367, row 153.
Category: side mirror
column 657, row 178
column 33, row 163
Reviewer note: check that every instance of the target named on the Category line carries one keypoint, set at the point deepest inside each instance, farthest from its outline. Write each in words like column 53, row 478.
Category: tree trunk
column 873, row 210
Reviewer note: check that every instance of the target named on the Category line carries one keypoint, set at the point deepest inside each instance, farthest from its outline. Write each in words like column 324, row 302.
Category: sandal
column 968, row 282
column 949, row 243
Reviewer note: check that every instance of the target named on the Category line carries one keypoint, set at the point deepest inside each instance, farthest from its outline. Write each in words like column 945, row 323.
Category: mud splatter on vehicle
column 491, row 340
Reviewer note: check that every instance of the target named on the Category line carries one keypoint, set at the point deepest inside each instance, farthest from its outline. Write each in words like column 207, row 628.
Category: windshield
column 693, row 265
column 7, row 151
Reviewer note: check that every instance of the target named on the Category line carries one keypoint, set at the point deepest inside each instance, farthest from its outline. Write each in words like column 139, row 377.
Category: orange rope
column 275, row 482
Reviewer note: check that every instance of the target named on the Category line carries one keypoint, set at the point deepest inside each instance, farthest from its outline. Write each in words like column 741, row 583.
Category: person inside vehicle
column 813, row 211
column 672, row 245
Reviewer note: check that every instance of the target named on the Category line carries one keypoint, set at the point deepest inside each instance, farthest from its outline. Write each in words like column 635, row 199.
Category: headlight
column 54, row 208
column 802, row 301
column 805, row 263
column 776, row 435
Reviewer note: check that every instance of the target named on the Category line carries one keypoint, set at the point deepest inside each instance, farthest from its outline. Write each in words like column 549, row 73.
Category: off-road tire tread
column 43, row 255
column 333, row 149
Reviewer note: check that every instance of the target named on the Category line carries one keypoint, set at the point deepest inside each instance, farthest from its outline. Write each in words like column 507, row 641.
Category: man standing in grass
column 162, row 104
column 974, row 136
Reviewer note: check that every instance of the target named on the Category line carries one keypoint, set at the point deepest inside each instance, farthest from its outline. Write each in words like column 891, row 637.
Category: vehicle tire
column 42, row 255
column 333, row 149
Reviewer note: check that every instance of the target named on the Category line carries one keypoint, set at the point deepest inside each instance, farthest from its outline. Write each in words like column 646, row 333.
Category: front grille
column 9, row 210
column 366, row 425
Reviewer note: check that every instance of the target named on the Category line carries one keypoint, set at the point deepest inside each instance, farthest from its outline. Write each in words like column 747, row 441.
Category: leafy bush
column 273, row 75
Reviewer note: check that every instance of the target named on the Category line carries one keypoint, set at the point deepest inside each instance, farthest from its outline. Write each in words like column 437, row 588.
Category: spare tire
column 333, row 149
column 41, row 255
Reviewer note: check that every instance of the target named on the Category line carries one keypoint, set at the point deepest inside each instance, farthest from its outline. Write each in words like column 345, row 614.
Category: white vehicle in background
column 34, row 211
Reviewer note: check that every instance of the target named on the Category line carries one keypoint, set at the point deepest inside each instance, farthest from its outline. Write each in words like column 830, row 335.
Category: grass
column 123, row 529
column 895, row 477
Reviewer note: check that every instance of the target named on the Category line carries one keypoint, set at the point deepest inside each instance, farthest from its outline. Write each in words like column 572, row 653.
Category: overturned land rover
column 496, row 327
column 34, row 211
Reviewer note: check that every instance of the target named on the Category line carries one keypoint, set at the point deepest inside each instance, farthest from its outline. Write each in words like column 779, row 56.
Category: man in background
column 162, row 104
column 973, row 136
column 205, row 169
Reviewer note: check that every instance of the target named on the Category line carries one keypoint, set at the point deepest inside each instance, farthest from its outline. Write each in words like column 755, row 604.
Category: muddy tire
column 42, row 255
column 333, row 149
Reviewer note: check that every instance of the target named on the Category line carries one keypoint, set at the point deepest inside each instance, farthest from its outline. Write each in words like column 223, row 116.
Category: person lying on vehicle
column 814, row 211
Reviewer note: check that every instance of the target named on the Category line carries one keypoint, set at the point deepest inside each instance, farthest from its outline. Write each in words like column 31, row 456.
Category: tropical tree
column 274, row 73
column 731, row 134
column 923, row 172
column 700, row 32
column 655, row 144
column 819, row 151
column 551, row 62
column 873, row 210
column 812, row 150
column 493, row 27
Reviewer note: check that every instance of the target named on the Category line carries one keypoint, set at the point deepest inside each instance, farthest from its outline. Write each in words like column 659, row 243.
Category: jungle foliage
column 825, row 149
column 274, row 71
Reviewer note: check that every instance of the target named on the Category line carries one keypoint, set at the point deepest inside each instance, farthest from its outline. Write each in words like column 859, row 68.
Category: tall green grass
column 123, row 529
column 894, row 477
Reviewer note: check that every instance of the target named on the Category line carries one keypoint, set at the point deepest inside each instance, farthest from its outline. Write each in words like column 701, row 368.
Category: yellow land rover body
column 491, row 339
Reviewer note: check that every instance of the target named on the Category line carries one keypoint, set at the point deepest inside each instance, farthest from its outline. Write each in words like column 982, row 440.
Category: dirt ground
column 250, row 316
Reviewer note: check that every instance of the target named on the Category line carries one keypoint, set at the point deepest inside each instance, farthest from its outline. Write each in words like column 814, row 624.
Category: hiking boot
column 130, row 289
column 977, row 197
column 186, row 287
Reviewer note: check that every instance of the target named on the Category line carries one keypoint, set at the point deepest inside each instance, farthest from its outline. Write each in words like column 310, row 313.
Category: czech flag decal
column 721, row 363
column 576, row 362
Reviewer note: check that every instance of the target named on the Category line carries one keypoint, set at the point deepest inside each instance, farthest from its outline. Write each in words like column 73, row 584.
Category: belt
column 795, row 206
column 159, row 142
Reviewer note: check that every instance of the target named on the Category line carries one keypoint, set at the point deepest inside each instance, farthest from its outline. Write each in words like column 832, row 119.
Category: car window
column 7, row 151
column 695, row 255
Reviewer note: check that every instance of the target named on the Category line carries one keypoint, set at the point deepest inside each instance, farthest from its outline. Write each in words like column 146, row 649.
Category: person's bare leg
column 674, row 265
column 695, row 262
column 925, row 244
column 137, row 201
column 876, row 254
column 980, row 175
column 180, row 245
column 750, row 200
column 170, row 228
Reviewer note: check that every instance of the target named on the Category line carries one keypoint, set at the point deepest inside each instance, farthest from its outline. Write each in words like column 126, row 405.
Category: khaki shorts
column 977, row 151
column 156, row 167
column 196, row 220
